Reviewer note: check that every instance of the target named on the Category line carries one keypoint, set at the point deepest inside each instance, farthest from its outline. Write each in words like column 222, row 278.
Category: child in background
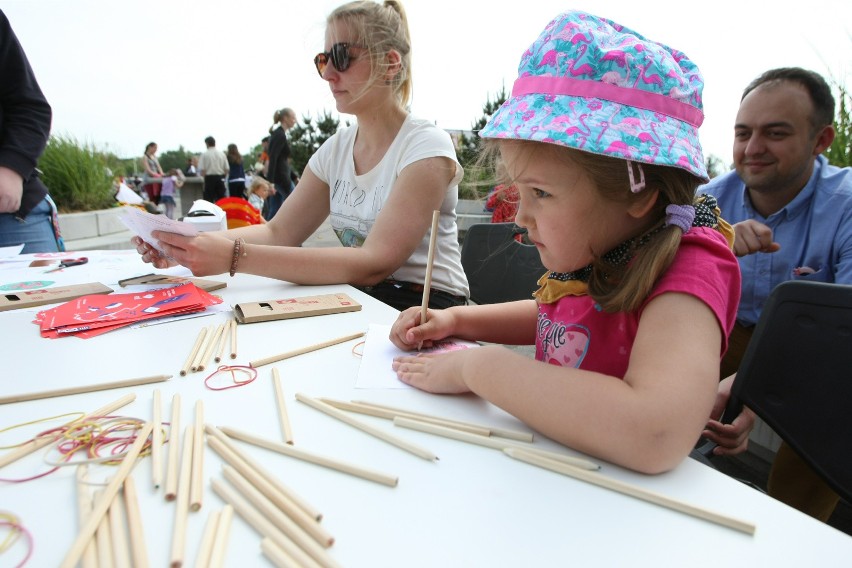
column 258, row 191
column 167, row 195
column 600, row 136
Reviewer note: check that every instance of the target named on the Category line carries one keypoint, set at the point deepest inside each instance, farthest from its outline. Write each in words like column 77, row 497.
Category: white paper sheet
column 143, row 223
column 375, row 371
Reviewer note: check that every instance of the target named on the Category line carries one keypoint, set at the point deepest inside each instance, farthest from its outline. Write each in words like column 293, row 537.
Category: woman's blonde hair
column 381, row 28
column 279, row 115
column 621, row 288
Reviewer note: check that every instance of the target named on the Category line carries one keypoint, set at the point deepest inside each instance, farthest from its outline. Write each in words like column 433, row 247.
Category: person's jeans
column 35, row 232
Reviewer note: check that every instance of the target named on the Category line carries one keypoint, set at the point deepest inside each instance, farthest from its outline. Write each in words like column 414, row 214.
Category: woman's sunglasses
column 338, row 55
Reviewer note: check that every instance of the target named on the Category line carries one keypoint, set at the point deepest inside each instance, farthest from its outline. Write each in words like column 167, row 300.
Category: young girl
column 600, row 138
column 173, row 180
column 258, row 192
column 377, row 181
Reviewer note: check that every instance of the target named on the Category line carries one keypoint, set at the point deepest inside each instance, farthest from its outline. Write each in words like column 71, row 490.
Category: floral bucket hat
column 590, row 84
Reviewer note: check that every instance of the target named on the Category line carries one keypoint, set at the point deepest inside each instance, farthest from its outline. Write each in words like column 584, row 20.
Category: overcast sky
column 122, row 73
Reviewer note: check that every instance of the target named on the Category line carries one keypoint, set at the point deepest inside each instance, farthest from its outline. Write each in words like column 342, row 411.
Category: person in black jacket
column 26, row 212
column 279, row 171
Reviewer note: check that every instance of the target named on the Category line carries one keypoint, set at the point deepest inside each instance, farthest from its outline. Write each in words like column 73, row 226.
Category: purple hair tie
column 680, row 216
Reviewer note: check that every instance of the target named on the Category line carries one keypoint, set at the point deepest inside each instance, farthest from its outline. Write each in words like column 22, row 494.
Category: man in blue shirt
column 792, row 215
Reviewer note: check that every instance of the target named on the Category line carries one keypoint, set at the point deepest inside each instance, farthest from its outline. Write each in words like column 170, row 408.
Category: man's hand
column 11, row 190
column 751, row 236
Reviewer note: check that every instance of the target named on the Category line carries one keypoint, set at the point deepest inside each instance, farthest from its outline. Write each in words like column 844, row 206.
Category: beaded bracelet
column 239, row 250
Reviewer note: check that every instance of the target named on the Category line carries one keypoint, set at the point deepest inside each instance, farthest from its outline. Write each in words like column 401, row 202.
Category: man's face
column 774, row 145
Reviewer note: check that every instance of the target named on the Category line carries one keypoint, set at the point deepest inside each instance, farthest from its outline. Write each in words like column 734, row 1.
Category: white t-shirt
column 357, row 200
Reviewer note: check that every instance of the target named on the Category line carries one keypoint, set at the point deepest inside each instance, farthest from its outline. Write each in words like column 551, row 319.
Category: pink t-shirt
column 575, row 332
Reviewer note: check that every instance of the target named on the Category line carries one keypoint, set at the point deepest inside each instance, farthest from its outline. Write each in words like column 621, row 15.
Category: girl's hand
column 436, row 373
column 407, row 333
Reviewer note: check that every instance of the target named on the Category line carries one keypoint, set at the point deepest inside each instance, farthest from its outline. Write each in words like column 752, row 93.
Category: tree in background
column 306, row 138
column 475, row 178
column 840, row 151
column 175, row 158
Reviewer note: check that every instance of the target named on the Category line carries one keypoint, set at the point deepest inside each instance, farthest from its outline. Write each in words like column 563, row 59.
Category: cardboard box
column 288, row 308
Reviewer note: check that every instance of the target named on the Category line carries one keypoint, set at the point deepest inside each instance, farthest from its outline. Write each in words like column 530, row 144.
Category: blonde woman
column 378, row 182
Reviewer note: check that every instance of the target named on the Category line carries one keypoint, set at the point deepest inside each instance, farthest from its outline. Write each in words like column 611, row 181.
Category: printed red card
column 92, row 315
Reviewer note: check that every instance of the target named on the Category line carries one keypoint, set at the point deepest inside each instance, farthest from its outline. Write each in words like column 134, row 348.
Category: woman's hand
column 436, row 372
column 407, row 333
column 204, row 254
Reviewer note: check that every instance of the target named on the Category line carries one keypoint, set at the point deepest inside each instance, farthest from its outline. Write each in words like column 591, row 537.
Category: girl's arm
column 647, row 422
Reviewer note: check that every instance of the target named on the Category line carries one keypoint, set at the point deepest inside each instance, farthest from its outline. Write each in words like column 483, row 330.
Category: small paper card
column 288, row 308
column 143, row 224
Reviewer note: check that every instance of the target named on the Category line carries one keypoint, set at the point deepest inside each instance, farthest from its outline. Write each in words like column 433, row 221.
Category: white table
column 473, row 507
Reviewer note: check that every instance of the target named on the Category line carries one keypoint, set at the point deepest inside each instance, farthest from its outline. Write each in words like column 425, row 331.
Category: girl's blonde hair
column 257, row 182
column 381, row 28
column 624, row 288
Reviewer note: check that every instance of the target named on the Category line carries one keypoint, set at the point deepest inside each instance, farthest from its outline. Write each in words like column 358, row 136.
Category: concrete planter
column 89, row 230
column 469, row 212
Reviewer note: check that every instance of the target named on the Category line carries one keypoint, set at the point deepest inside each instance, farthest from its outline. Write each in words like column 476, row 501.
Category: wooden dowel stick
column 84, row 389
column 84, row 509
column 134, row 521
column 281, row 501
column 103, row 537
column 210, row 346
column 182, row 502
column 205, row 549
column 174, row 448
column 276, row 554
column 236, row 457
column 196, row 491
column 430, row 259
column 197, row 363
column 380, row 412
column 260, row 523
column 187, row 366
column 38, row 443
column 274, row 515
column 418, row 451
column 451, row 423
column 220, row 540
column 224, row 340
column 497, row 444
column 343, row 467
column 631, row 490
column 118, row 531
column 283, row 417
column 157, row 442
column 233, row 339
column 101, row 505
column 303, row 350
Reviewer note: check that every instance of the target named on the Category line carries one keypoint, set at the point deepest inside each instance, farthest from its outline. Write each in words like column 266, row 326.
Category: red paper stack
column 93, row 315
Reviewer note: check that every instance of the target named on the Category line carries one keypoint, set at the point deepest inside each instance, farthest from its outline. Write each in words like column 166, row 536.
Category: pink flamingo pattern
column 584, row 47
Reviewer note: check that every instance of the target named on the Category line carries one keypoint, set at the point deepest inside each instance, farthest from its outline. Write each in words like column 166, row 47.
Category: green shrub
column 77, row 175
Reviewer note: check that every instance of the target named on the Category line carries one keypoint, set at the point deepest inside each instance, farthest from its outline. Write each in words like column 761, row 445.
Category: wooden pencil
column 430, row 259
column 211, row 345
column 205, row 549
column 452, row 423
column 199, row 355
column 303, row 350
column 387, row 413
column 233, row 339
column 101, row 505
column 36, row 444
column 134, row 522
column 631, row 490
column 276, row 554
column 103, row 537
column 224, row 340
column 220, row 540
column 182, row 502
column 84, row 509
column 283, row 417
column 187, row 366
column 196, row 491
column 157, row 442
column 118, row 531
column 487, row 442
column 174, row 455
column 323, row 461
column 281, row 521
column 84, row 389
column 260, row 523
column 409, row 447
column 235, row 456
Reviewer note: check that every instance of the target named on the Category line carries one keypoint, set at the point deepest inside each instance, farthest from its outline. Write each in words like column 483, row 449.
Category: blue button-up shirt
column 814, row 231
